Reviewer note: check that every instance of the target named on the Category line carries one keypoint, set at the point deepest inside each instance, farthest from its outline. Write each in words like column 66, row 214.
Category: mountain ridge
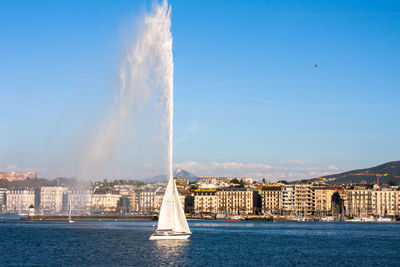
column 392, row 168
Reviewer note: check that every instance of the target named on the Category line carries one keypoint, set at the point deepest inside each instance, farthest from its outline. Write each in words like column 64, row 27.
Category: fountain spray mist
column 146, row 87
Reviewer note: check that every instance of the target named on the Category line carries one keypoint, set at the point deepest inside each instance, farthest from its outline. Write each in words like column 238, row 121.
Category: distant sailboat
column 172, row 224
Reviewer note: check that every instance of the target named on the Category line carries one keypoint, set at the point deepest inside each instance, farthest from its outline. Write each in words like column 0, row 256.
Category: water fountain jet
column 146, row 86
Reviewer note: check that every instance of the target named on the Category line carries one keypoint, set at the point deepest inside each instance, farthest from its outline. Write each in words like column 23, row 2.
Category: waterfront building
column 19, row 201
column 235, row 200
column 105, row 201
column 359, row 201
column 133, row 201
column 205, row 200
column 52, row 199
column 288, row 198
column 271, row 199
column 385, row 202
column 147, row 199
column 136, row 200
column 323, row 200
column 304, row 202
column 80, row 201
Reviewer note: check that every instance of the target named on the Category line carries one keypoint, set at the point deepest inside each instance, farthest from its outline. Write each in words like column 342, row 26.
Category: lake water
column 213, row 243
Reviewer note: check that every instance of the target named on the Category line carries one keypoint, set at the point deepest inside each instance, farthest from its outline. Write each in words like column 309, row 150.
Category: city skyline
column 262, row 89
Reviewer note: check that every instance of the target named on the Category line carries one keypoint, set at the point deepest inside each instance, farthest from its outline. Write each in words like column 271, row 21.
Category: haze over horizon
column 249, row 100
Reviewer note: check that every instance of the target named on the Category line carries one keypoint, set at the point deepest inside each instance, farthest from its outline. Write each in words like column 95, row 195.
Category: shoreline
column 155, row 218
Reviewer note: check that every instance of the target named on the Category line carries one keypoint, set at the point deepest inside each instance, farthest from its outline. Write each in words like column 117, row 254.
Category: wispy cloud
column 295, row 162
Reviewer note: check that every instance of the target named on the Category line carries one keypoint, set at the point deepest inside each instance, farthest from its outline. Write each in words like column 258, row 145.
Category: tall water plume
column 140, row 120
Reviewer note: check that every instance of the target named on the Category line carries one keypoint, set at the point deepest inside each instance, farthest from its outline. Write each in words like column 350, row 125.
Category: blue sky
column 248, row 99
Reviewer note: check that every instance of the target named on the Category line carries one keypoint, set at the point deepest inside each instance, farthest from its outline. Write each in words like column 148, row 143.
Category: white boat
column 327, row 219
column 361, row 219
column 368, row 219
column 357, row 219
column 172, row 224
column 384, row 219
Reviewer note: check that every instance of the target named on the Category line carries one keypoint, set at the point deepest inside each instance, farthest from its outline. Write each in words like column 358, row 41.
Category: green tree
column 234, row 181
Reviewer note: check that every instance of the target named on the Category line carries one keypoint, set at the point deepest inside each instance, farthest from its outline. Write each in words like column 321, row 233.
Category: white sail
column 166, row 218
column 181, row 225
column 172, row 216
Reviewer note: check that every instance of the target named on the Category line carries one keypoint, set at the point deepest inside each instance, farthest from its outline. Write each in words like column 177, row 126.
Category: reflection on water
column 170, row 251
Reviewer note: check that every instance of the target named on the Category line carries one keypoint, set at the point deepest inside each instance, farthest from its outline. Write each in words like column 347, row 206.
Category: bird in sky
column 315, row 65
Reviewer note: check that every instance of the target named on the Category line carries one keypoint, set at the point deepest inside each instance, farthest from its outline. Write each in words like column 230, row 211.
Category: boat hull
column 170, row 237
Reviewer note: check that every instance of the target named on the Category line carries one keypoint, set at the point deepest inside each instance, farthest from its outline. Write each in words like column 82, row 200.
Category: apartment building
column 359, row 201
column 80, row 201
column 205, row 200
column 147, row 199
column 385, row 202
column 323, row 200
column 271, row 197
column 53, row 199
column 288, row 199
column 236, row 200
column 105, row 201
column 304, row 199
column 19, row 201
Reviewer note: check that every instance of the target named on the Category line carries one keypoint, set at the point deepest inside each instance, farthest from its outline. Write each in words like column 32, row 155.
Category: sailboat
column 69, row 214
column 172, row 223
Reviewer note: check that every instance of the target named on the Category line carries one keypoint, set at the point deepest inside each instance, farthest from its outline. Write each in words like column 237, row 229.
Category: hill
column 391, row 168
column 180, row 173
